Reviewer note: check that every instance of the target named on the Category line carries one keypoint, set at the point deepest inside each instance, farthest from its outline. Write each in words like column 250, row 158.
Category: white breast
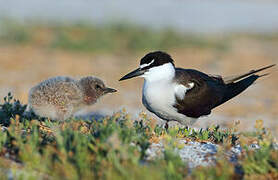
column 159, row 94
column 160, row 99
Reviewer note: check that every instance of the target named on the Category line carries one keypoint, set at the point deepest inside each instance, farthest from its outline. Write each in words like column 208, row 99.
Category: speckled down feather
column 58, row 98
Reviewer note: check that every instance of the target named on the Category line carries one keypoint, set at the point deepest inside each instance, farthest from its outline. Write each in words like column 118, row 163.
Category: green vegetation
column 113, row 38
column 91, row 38
column 115, row 148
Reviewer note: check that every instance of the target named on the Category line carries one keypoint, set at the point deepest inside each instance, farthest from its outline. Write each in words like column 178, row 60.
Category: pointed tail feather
column 231, row 79
column 233, row 89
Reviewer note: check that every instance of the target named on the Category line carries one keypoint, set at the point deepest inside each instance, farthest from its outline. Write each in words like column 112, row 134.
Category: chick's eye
column 98, row 86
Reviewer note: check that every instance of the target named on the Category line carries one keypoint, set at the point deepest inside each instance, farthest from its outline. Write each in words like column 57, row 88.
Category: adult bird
column 183, row 95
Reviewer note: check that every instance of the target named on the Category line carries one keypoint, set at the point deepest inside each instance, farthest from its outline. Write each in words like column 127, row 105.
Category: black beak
column 136, row 72
column 110, row 90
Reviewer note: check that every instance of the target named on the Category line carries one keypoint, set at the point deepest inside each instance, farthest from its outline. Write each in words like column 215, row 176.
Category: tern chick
column 58, row 98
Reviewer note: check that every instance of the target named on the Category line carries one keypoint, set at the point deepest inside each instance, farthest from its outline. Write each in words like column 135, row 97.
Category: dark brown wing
column 207, row 93
column 211, row 91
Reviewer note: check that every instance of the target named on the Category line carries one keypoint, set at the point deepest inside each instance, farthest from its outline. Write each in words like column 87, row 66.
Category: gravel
column 197, row 153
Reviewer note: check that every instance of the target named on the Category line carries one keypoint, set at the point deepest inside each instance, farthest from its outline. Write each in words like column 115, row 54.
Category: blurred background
column 46, row 38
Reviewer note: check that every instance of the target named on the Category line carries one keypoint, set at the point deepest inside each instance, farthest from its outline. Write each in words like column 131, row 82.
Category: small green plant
column 212, row 134
column 263, row 161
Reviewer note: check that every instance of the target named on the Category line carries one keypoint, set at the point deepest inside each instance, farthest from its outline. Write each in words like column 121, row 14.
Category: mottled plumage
column 58, row 98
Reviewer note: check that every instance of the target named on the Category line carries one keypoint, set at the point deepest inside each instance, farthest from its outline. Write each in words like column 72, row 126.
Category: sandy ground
column 21, row 67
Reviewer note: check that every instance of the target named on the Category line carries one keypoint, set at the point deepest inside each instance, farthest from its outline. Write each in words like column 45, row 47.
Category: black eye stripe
column 148, row 67
column 148, row 61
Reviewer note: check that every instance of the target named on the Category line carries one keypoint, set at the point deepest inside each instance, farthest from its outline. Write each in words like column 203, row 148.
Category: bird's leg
column 166, row 126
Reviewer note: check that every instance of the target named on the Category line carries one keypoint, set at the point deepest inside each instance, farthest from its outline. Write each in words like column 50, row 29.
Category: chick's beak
column 135, row 73
column 110, row 90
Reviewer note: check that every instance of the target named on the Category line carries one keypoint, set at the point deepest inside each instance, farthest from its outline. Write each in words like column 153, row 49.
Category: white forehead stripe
column 145, row 65
column 180, row 89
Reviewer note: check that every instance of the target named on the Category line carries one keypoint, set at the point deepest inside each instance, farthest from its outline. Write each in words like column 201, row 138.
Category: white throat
column 165, row 72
